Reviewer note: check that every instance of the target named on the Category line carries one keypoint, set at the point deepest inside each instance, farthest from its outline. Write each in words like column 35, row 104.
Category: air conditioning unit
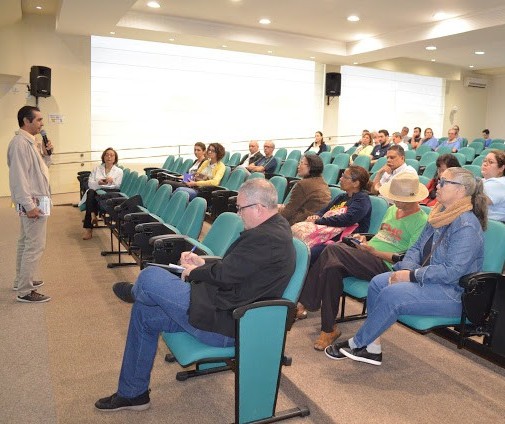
column 475, row 82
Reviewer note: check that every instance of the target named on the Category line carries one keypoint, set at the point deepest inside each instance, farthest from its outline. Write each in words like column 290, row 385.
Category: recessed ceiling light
column 265, row 21
column 312, row 57
column 38, row 7
column 224, row 46
column 112, row 33
column 353, row 18
column 480, row 52
column 270, row 51
column 355, row 63
column 430, row 48
column 153, row 4
column 433, row 60
column 171, row 39
column 470, row 66
column 440, row 15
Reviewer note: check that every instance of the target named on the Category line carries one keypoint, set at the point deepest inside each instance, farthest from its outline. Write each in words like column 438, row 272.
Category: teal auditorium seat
column 430, row 170
column 377, row 165
column 330, row 173
column 280, row 183
column 422, row 149
column 341, row 160
column 257, row 365
column 223, row 232
column 413, row 163
column 478, row 160
column 169, row 162
column 325, row 157
column 474, row 169
column 477, row 145
column 363, row 161
column 469, row 153
column 479, row 314
column 281, row 154
column 379, row 208
column 497, row 145
column 444, row 149
column 294, row 154
column 410, row 154
column 234, row 159
column 460, row 157
column 336, row 150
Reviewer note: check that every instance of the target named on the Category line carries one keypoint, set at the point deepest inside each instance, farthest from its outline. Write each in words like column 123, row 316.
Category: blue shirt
column 268, row 163
column 432, row 142
column 494, row 188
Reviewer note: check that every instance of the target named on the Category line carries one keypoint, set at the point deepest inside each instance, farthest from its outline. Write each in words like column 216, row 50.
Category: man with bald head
column 266, row 164
column 253, row 155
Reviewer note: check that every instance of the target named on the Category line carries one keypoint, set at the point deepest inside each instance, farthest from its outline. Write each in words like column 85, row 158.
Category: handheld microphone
column 44, row 138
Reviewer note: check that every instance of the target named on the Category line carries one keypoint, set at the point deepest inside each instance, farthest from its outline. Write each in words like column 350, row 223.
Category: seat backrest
column 461, row 158
column 428, row 157
column 191, row 221
column 234, row 159
column 169, row 161
column 494, row 247
column 410, row 154
column 226, row 175
column 477, row 145
column 363, row 161
column 132, row 181
column 474, row 169
column 330, row 173
column 342, row 160
column 413, row 163
column 185, row 166
column 351, row 150
column 289, row 168
column 127, row 181
column 226, row 157
column 336, row 150
column 237, row 177
column 161, row 197
column 444, row 149
column 280, row 154
column 325, row 157
column 139, row 185
column 442, row 139
column 430, row 170
column 280, row 184
column 223, row 232
column 176, row 165
column 497, row 145
column 468, row 152
column 335, row 191
column 174, row 209
column 424, row 180
column 149, row 192
column 379, row 208
column 256, row 175
column 422, row 149
column 478, row 160
column 377, row 165
column 294, row 288
column 295, row 154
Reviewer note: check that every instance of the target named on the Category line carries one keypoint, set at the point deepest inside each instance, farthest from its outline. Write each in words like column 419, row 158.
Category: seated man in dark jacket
column 257, row 265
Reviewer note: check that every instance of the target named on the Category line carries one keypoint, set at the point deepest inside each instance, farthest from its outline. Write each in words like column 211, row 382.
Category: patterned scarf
column 440, row 217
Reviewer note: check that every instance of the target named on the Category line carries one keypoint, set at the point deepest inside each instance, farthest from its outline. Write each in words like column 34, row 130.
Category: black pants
column 91, row 207
column 324, row 283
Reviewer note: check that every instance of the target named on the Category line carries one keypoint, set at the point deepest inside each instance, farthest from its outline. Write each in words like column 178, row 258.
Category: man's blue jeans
column 386, row 302
column 161, row 304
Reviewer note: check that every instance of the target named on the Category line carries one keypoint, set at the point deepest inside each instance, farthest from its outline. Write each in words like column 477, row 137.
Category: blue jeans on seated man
column 161, row 304
column 192, row 192
column 385, row 303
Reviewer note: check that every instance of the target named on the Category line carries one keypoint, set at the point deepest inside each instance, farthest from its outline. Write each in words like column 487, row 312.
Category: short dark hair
column 358, row 173
column 116, row 158
column 316, row 164
column 220, row 151
column 449, row 160
column 499, row 156
column 418, row 128
column 201, row 145
column 26, row 112
column 399, row 149
column 486, row 131
column 385, row 132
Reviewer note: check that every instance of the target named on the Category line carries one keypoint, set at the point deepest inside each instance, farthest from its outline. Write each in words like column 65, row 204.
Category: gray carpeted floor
column 58, row 358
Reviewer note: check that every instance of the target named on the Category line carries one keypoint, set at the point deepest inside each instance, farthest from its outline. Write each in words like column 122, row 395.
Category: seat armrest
column 478, row 296
column 240, row 311
column 135, row 216
column 148, row 226
column 210, row 258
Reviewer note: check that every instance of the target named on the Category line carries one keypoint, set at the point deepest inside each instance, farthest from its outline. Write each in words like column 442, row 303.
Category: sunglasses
column 443, row 181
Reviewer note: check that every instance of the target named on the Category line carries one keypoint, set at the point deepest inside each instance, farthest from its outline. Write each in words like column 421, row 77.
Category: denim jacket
column 460, row 252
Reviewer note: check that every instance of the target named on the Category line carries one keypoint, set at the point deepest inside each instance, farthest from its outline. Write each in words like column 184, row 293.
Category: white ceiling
column 387, row 30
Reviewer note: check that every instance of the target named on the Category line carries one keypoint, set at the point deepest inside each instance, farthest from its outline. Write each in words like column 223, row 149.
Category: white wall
column 33, row 41
column 496, row 107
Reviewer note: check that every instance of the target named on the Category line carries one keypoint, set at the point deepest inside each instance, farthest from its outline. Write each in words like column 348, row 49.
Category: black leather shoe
column 117, row 403
column 124, row 292
column 362, row 355
column 333, row 351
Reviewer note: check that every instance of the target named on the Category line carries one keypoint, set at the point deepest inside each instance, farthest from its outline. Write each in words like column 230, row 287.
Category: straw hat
column 404, row 187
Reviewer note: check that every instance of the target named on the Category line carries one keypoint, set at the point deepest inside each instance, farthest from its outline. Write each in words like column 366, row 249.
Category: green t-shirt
column 397, row 235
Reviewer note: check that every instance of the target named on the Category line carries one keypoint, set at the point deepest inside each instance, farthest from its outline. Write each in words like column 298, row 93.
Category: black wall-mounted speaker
column 333, row 81
column 40, row 81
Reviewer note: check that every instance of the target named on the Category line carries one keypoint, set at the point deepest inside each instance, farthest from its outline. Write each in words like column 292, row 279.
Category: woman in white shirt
column 492, row 169
column 106, row 176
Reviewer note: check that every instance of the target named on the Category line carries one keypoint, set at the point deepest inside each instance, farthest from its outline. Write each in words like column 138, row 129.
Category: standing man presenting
column 28, row 162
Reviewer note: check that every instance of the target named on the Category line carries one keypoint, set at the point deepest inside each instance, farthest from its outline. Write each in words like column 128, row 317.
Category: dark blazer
column 251, row 159
column 257, row 265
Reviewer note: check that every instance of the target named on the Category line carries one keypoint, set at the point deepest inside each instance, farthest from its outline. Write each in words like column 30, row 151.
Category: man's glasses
column 443, row 181
column 241, row 208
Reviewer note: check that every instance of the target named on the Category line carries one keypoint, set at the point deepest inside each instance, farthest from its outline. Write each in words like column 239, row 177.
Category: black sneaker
column 124, row 292
column 36, row 285
column 117, row 403
column 362, row 355
column 333, row 351
column 33, row 297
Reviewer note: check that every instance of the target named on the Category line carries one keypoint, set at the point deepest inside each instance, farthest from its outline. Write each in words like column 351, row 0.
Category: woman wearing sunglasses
column 426, row 281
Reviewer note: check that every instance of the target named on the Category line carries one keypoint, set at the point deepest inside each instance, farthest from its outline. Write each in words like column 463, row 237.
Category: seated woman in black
column 354, row 206
column 318, row 145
